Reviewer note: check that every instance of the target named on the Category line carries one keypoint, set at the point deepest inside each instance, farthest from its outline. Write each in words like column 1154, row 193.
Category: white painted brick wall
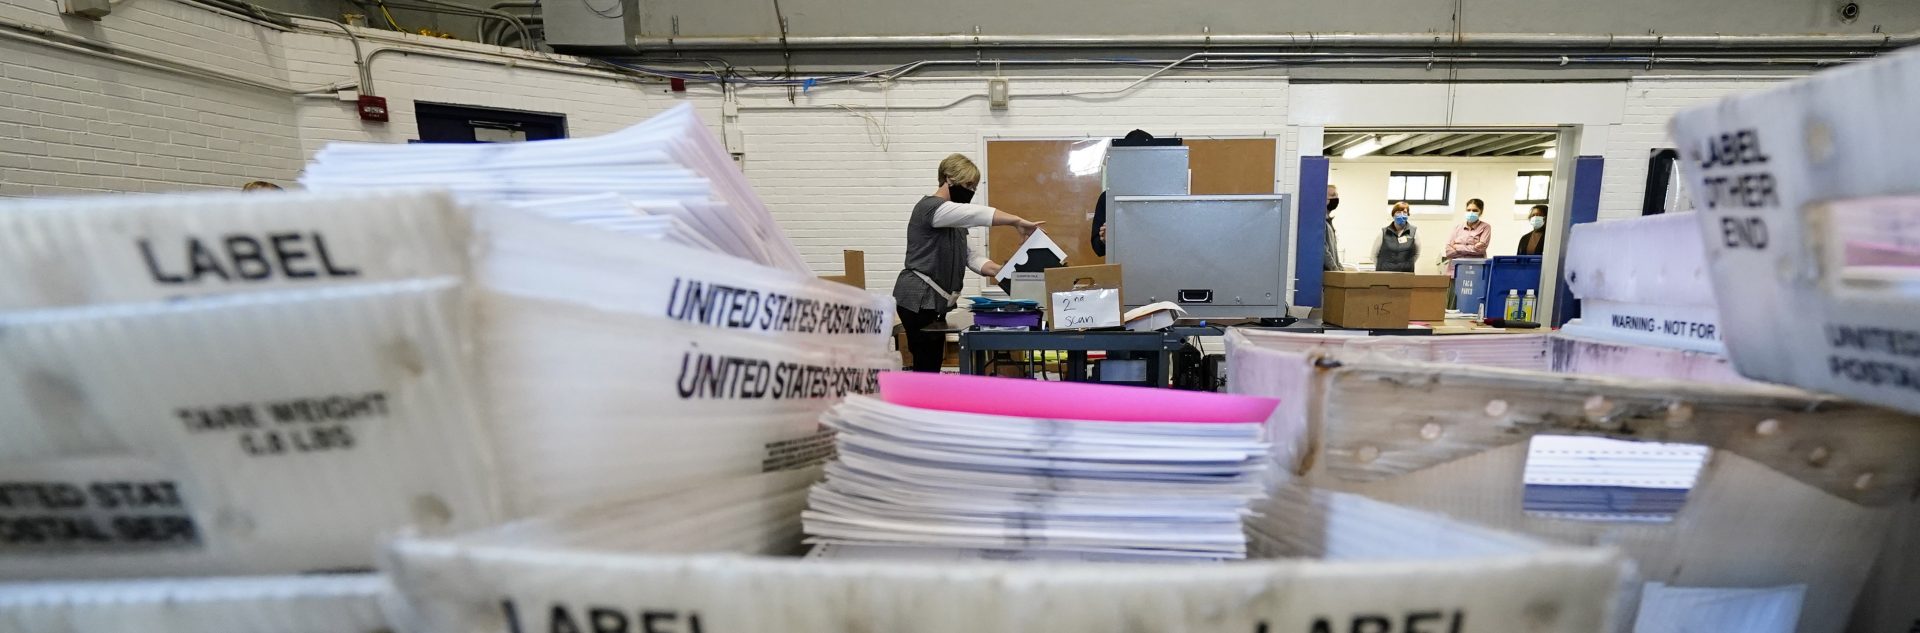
column 1643, row 127
column 173, row 30
column 75, row 124
column 593, row 105
column 833, row 187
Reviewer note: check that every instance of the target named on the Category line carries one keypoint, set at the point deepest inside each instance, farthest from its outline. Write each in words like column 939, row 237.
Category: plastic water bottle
column 1527, row 305
column 1513, row 306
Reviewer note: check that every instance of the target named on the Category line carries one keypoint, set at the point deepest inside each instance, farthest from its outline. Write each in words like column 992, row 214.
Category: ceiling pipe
column 1597, row 41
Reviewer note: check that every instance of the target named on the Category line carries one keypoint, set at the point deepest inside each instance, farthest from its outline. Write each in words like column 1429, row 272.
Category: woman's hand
column 990, row 269
column 1027, row 227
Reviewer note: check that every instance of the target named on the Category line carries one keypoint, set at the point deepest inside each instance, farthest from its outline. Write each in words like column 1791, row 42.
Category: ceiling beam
column 1474, row 149
column 1454, row 144
column 1539, row 146
column 1340, row 142
column 1511, row 144
column 1411, row 141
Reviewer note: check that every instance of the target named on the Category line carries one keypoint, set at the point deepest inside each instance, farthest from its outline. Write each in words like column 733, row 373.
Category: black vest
column 940, row 254
column 1395, row 256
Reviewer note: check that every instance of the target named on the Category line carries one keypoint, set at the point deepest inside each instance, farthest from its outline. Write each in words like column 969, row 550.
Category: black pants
column 928, row 348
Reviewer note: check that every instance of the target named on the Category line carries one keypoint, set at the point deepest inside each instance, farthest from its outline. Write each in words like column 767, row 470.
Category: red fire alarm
column 677, row 84
column 373, row 108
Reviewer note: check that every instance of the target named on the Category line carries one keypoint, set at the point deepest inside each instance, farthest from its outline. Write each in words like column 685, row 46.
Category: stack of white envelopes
column 666, row 178
column 1036, row 486
column 259, row 384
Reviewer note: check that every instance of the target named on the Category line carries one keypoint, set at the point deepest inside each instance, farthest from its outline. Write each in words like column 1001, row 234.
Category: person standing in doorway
column 1535, row 241
column 1470, row 239
column 1398, row 246
column 938, row 257
column 1330, row 260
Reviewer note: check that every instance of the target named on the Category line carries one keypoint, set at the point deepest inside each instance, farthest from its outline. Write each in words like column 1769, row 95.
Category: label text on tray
column 1410, row 622
column 294, row 425
column 1879, row 341
column 799, row 452
column 603, row 619
column 105, row 513
column 1733, row 167
column 748, row 309
column 243, row 257
column 709, row 376
column 1670, row 327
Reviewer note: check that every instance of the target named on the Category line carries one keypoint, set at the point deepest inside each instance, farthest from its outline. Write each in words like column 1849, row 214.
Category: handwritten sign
column 1086, row 309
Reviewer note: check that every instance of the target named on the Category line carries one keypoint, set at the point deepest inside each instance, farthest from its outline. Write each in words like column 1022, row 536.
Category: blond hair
column 1400, row 206
column 958, row 169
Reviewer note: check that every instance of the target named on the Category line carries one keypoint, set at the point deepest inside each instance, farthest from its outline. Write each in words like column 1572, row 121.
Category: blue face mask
column 1400, row 220
column 1472, row 217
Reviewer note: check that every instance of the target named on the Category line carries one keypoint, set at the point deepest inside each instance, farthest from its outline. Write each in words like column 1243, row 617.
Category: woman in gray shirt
column 938, row 257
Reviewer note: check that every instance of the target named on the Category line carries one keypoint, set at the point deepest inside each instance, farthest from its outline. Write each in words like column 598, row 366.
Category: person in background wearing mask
column 1330, row 260
column 1470, row 239
column 1535, row 241
column 1398, row 246
column 938, row 257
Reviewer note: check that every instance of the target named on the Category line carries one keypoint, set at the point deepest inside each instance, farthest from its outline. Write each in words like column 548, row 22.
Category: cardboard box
column 1368, row 299
column 1082, row 278
column 1804, row 199
column 1429, row 297
column 1405, row 421
column 725, row 558
column 855, row 265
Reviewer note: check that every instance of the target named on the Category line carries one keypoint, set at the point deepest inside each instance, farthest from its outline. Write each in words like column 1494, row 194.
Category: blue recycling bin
column 1488, row 280
column 1469, row 284
column 1511, row 272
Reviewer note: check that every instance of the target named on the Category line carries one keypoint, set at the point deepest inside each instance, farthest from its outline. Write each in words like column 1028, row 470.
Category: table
column 1470, row 326
column 1158, row 348
column 976, row 346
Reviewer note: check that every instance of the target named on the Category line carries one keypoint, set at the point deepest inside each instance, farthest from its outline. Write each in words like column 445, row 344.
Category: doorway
column 1508, row 172
column 448, row 123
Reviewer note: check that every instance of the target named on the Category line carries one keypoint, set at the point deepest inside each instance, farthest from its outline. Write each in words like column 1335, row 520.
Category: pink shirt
column 1469, row 241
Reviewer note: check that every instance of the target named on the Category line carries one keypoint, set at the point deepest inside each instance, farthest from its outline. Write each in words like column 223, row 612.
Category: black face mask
column 959, row 194
column 1333, row 203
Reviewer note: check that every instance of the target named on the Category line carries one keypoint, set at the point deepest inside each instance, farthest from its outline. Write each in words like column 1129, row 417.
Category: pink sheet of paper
column 1068, row 400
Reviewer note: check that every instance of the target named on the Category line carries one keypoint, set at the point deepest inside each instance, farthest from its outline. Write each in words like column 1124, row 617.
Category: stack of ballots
column 666, row 177
column 961, row 467
column 258, row 384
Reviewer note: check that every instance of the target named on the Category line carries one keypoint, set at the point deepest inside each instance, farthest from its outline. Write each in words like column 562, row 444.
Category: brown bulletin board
column 1038, row 180
column 1230, row 166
